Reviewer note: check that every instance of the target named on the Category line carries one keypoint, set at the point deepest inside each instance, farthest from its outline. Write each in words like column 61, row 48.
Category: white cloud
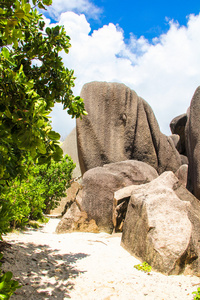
column 165, row 73
column 77, row 6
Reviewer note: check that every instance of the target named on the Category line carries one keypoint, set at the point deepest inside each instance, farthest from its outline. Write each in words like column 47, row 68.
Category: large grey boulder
column 120, row 126
column 193, row 144
column 100, row 183
column 162, row 226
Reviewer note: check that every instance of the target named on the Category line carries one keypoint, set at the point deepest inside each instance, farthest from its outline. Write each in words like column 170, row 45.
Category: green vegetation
column 42, row 189
column 145, row 267
column 7, row 285
column 197, row 294
column 32, row 79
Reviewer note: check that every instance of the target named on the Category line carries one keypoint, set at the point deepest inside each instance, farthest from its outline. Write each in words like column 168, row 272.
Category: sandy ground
column 84, row 266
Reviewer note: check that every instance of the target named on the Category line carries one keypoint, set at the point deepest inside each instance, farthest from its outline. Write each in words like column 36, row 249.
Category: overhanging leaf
column 5, row 52
column 19, row 14
column 53, row 135
column 42, row 149
column 27, row 7
column 41, row 6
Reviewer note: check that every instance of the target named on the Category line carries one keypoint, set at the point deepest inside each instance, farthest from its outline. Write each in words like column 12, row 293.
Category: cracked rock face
column 161, row 226
column 120, row 126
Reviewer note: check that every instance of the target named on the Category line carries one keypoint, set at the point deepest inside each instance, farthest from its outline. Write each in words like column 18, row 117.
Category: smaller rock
column 76, row 220
column 182, row 173
column 177, row 126
column 120, row 205
column 177, row 142
column 184, row 159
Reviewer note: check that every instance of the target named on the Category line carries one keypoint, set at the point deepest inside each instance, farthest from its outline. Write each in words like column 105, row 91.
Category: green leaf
column 19, row 14
column 27, row 7
column 41, row 6
column 5, row 52
column 41, row 147
column 11, row 63
column 26, row 19
column 53, row 135
column 56, row 30
column 57, row 155
column 17, row 33
column 8, row 276
column 21, row 69
column 47, row 2
column 12, row 22
column 3, row 297
column 48, row 31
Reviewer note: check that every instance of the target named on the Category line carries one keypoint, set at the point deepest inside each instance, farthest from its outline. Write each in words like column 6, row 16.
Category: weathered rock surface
column 177, row 141
column 76, row 220
column 122, row 197
column 184, row 159
column 100, row 183
column 182, row 173
column 121, row 126
column 120, row 205
column 193, row 144
column 177, row 126
column 162, row 226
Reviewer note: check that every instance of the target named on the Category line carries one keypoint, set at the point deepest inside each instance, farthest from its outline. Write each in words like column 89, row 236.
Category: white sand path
column 85, row 266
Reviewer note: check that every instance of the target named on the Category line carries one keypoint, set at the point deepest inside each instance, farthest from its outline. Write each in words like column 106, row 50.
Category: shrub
column 145, row 267
column 41, row 191
column 197, row 294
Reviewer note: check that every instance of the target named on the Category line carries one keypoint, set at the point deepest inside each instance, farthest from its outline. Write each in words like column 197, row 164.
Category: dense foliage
column 40, row 192
column 32, row 79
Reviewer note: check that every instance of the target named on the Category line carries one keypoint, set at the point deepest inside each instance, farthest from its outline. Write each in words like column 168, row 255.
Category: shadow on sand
column 47, row 274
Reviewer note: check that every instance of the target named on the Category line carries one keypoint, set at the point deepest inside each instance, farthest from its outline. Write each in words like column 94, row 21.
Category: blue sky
column 151, row 46
column 146, row 18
